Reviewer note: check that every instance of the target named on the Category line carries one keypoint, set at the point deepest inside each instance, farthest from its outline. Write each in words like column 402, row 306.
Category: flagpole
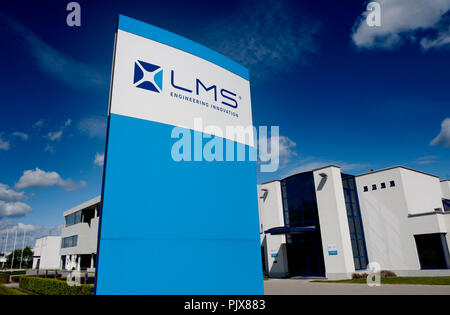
column 15, row 239
column 23, row 247
column 4, row 251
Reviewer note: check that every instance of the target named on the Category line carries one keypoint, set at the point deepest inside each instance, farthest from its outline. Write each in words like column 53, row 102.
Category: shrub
column 383, row 274
column 53, row 287
column 16, row 279
column 3, row 290
column 13, row 273
column 4, row 278
column 359, row 275
column 387, row 274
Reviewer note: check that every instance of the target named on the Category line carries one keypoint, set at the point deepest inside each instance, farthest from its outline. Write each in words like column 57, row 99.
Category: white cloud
column 20, row 135
column 38, row 124
column 268, row 37
column 285, row 145
column 429, row 159
column 4, row 145
column 68, row 123
column 8, row 194
column 32, row 232
column 56, row 135
column 99, row 159
column 49, row 148
column 95, row 127
column 403, row 21
column 40, row 178
column 51, row 61
column 14, row 209
column 443, row 138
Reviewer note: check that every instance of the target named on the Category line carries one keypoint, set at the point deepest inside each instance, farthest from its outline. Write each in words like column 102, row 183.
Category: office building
column 79, row 236
column 325, row 223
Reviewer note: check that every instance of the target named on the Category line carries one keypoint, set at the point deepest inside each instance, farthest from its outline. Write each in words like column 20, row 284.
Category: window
column 73, row 218
column 446, row 203
column 392, row 183
column 355, row 223
column 383, row 185
column 374, row 187
column 366, row 188
column 304, row 251
column 71, row 241
column 432, row 250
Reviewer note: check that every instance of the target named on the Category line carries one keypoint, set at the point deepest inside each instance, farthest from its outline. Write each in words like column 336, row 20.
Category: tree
column 27, row 258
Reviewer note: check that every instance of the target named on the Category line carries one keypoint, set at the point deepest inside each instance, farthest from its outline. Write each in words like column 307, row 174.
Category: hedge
column 47, row 286
column 4, row 278
column 3, row 290
column 16, row 279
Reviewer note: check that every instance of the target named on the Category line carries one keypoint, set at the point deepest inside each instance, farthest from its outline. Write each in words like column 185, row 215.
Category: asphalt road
column 305, row 287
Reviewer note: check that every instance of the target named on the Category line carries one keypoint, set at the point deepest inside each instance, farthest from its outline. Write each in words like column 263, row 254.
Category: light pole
column 23, row 247
column 12, row 260
column 4, row 250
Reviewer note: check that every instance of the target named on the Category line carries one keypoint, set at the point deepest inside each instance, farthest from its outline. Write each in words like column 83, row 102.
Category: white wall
column 445, row 188
column 47, row 250
column 423, row 192
column 87, row 238
column 271, row 215
column 334, row 223
column 390, row 215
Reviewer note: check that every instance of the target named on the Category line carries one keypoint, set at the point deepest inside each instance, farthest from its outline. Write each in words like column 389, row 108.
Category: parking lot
column 306, row 287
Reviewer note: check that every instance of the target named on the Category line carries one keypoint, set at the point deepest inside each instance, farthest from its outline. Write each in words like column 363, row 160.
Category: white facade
column 396, row 206
column 445, row 187
column 333, row 220
column 270, row 215
column 409, row 205
column 79, row 238
column 46, row 253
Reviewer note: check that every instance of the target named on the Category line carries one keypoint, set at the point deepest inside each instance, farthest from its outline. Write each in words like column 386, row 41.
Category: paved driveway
column 305, row 287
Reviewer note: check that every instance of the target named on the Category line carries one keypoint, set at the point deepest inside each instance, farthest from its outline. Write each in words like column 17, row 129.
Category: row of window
column 382, row 185
column 73, row 218
column 71, row 241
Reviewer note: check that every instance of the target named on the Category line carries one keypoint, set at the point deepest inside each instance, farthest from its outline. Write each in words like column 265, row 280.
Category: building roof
column 84, row 205
column 368, row 173
column 270, row 181
column 313, row 170
column 394, row 167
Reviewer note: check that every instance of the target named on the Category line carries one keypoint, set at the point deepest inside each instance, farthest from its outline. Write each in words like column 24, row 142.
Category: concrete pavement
column 305, row 287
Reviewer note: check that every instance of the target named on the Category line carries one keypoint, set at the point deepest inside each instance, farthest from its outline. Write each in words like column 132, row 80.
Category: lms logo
column 148, row 76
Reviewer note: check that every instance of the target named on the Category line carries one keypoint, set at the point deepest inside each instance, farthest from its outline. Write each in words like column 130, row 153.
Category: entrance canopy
column 290, row 230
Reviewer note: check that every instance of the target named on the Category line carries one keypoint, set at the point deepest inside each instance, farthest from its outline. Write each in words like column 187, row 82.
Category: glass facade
column 446, row 203
column 433, row 251
column 71, row 241
column 304, row 250
column 73, row 218
column 355, row 222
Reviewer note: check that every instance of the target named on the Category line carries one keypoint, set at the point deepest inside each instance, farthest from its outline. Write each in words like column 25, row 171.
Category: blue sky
column 342, row 93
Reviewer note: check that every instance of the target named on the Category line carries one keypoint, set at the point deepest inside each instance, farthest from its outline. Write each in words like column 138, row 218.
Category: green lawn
column 11, row 291
column 399, row 280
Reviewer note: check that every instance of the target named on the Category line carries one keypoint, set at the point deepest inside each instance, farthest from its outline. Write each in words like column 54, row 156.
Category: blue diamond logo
column 148, row 76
